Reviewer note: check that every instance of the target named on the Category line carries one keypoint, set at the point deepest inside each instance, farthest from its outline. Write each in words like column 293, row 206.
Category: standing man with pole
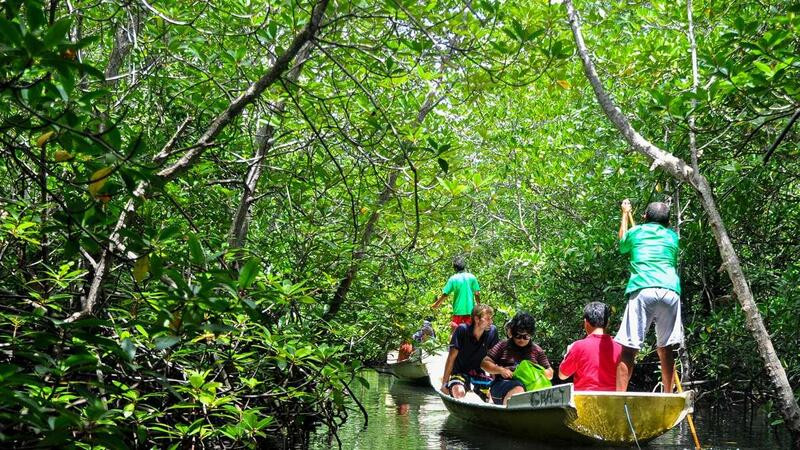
column 466, row 293
column 653, row 291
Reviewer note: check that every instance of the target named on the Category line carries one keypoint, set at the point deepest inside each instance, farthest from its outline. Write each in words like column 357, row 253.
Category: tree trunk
column 786, row 402
column 124, row 39
column 241, row 218
column 360, row 253
column 264, row 141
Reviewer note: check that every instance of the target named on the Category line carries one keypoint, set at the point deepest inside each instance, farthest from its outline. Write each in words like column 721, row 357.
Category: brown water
column 404, row 416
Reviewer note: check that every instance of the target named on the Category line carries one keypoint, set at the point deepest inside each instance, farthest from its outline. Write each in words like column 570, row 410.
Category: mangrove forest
column 217, row 217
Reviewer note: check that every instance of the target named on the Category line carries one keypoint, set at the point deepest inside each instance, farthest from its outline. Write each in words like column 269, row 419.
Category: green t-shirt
column 462, row 286
column 654, row 257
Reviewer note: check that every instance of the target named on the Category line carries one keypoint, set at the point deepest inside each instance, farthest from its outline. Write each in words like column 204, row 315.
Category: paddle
column 688, row 416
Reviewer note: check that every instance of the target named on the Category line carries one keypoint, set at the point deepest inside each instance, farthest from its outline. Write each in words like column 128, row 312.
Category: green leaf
column 163, row 342
column 142, row 330
column 91, row 70
column 57, row 32
column 169, row 232
column 363, row 381
column 197, row 379
column 248, row 273
column 35, row 15
column 767, row 70
column 10, row 30
column 128, row 348
column 443, row 164
column 264, row 422
column 141, row 268
column 196, row 250
column 80, row 359
column 195, row 427
column 305, row 299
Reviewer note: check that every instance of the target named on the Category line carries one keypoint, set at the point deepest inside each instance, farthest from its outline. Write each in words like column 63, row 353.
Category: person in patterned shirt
column 503, row 358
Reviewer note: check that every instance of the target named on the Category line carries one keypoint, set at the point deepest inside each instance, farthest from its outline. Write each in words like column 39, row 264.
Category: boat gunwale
column 458, row 401
column 414, row 358
column 412, row 369
column 685, row 395
column 405, row 362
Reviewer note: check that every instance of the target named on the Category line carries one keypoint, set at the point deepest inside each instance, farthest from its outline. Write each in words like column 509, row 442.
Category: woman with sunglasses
column 503, row 358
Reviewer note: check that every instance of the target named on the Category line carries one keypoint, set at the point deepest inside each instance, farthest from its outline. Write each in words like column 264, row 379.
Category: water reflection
column 405, row 416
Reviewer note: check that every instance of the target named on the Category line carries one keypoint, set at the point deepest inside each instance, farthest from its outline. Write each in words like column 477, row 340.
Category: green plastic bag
column 531, row 375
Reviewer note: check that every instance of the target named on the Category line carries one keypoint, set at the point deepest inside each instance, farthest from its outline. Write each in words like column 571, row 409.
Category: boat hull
column 411, row 369
column 612, row 417
column 559, row 414
column 545, row 424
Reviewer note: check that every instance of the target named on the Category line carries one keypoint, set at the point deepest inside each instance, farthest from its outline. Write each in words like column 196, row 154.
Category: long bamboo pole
column 689, row 416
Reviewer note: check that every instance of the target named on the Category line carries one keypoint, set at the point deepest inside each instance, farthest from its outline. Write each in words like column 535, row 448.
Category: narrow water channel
column 404, row 416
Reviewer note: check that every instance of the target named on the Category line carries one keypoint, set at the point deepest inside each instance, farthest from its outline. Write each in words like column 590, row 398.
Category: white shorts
column 646, row 306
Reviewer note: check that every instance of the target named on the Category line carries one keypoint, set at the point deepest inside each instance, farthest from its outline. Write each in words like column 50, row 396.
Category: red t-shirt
column 593, row 360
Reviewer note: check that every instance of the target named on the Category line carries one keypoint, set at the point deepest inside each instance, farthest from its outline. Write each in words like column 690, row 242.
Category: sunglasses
column 522, row 336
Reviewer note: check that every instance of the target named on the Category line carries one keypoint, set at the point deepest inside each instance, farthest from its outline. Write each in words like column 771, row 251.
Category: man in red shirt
column 593, row 360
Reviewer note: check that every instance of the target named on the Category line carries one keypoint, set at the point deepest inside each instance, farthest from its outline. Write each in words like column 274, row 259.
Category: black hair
column 597, row 314
column 523, row 322
column 657, row 212
column 459, row 264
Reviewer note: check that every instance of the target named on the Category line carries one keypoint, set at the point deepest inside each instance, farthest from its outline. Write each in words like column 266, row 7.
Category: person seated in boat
column 593, row 360
column 468, row 347
column 503, row 358
column 404, row 351
column 425, row 332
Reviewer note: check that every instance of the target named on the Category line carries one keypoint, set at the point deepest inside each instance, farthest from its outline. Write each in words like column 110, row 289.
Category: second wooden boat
column 412, row 369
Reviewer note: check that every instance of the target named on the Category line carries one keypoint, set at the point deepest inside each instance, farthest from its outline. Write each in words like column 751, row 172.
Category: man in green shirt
column 465, row 291
column 653, row 291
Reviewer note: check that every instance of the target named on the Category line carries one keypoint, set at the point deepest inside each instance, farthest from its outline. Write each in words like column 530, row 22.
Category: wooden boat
column 561, row 414
column 412, row 369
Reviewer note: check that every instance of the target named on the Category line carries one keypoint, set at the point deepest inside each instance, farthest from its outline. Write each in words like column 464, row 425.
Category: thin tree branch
column 235, row 108
column 782, row 136
column 166, row 151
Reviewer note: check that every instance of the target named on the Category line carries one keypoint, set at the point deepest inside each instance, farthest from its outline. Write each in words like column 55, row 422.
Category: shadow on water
column 406, row 416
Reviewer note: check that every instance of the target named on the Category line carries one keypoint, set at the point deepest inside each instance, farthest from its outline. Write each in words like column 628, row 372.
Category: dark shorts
column 473, row 381
column 500, row 388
